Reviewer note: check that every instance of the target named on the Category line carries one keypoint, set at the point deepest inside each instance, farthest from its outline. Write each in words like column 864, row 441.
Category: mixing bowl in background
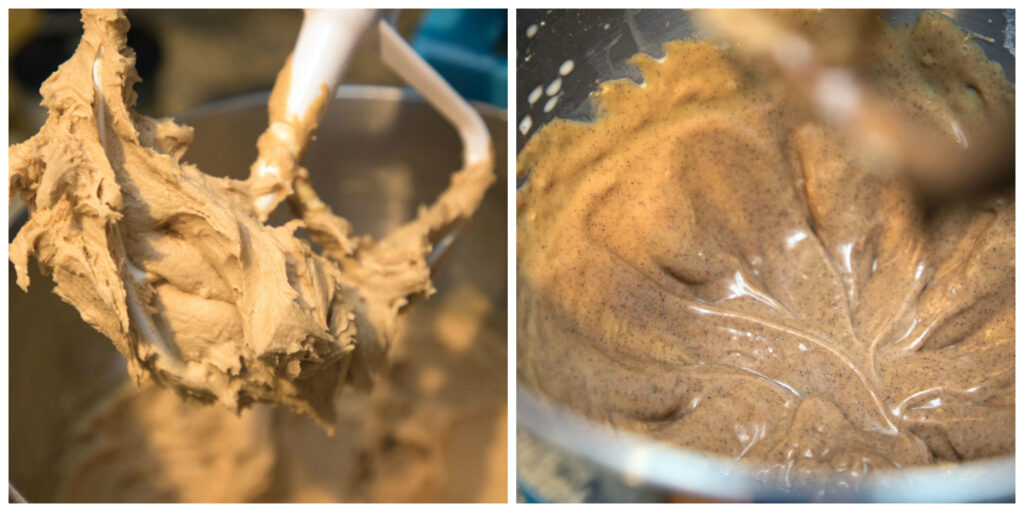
column 561, row 57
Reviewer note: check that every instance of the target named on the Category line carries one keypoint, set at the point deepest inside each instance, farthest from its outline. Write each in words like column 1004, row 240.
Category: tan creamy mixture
column 206, row 301
column 709, row 264
column 178, row 269
column 433, row 430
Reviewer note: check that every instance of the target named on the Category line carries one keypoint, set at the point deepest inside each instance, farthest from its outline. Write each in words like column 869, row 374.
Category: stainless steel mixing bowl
column 619, row 466
column 600, row 42
column 379, row 154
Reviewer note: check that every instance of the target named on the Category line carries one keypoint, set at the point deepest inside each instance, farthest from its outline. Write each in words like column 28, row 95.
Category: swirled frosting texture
column 710, row 265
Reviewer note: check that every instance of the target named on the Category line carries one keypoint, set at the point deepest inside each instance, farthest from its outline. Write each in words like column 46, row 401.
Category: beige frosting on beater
column 708, row 264
column 176, row 267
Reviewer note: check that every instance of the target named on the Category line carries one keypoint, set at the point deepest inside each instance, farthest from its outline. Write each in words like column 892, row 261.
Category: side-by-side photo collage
column 508, row 255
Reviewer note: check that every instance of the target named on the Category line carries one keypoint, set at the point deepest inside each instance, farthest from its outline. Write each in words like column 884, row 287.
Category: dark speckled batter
column 709, row 264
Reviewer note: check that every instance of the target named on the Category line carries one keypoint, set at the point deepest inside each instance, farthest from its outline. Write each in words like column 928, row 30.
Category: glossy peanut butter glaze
column 177, row 267
column 710, row 265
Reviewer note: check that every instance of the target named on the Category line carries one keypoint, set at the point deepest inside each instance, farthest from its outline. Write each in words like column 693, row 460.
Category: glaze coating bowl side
column 598, row 43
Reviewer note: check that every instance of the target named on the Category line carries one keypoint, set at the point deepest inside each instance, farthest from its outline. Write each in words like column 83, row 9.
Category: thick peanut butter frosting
column 714, row 265
column 178, row 268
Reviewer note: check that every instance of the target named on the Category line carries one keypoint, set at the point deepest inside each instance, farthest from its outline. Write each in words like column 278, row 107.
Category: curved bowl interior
column 599, row 43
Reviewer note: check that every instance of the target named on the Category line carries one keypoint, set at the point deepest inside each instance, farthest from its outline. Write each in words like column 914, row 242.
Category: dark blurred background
column 190, row 57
